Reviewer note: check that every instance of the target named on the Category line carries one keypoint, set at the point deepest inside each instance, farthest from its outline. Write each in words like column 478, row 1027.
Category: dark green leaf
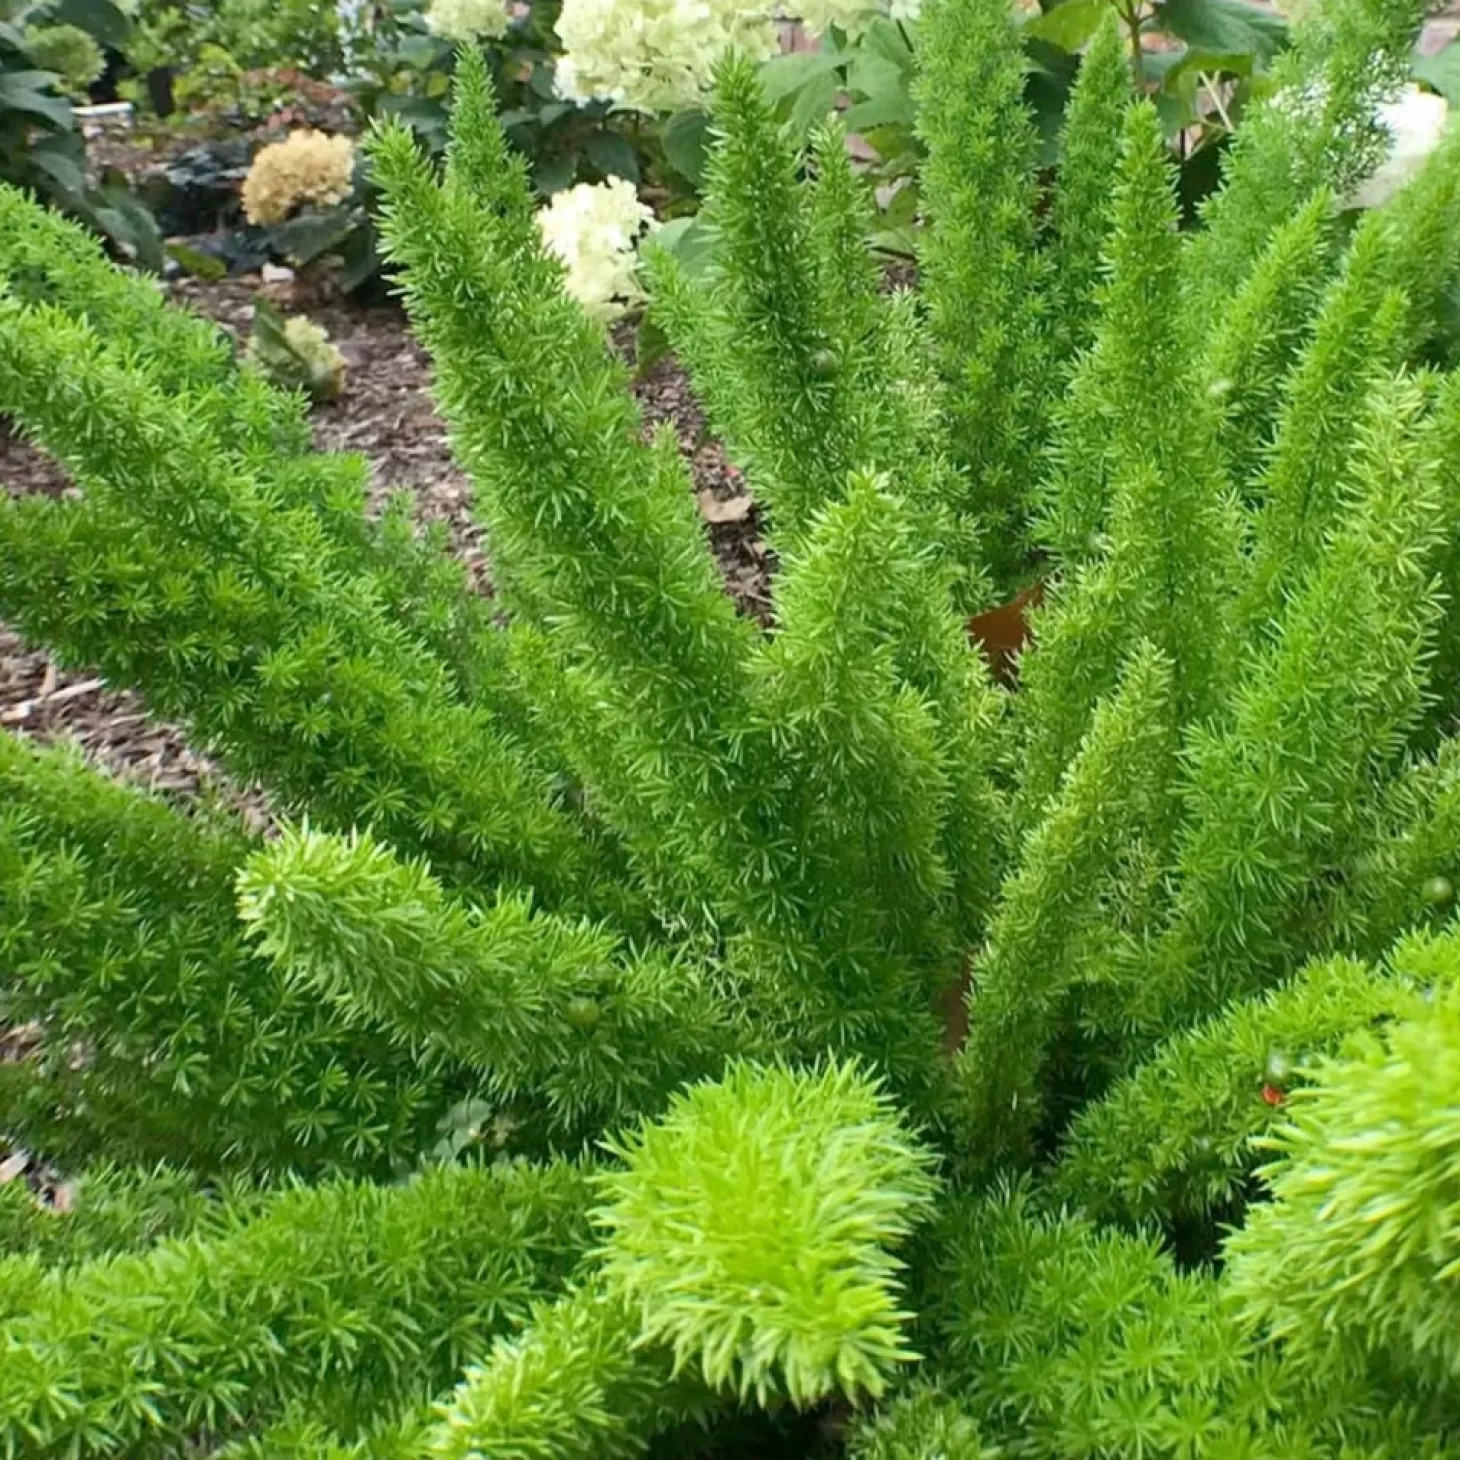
column 612, row 155
column 62, row 160
column 360, row 261
column 311, row 235
column 885, row 38
column 1069, row 25
column 553, row 174
column 685, row 139
column 29, row 91
column 197, row 263
column 105, row 22
column 880, row 111
column 814, row 102
column 651, row 344
column 1224, row 26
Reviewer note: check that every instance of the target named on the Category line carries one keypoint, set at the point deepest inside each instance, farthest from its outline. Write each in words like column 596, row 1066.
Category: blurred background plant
column 589, row 91
column 51, row 54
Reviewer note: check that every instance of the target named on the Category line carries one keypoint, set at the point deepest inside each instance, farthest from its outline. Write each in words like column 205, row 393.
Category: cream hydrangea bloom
column 466, row 20
column 655, row 55
column 1416, row 122
column 659, row 55
column 852, row 16
column 306, row 167
column 594, row 229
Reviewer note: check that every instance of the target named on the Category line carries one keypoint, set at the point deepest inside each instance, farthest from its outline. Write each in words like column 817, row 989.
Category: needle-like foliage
column 638, row 1022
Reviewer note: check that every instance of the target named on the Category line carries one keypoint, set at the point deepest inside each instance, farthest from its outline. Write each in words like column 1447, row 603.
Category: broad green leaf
column 685, row 138
column 30, row 91
column 651, row 344
column 689, row 241
column 1186, row 67
column 874, row 76
column 105, row 22
column 885, row 38
column 61, row 159
column 553, row 174
column 880, row 111
column 1069, row 25
column 814, row 102
column 197, row 263
column 612, row 155
column 1441, row 72
column 1224, row 26
column 312, row 235
column 784, row 76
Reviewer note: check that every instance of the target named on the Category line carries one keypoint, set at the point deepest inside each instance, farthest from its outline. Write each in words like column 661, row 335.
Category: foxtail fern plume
column 644, row 1029
column 984, row 281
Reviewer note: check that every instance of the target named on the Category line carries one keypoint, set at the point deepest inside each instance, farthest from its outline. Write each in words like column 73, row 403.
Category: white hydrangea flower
column 818, row 16
column 660, row 55
column 466, row 20
column 594, row 229
column 852, row 16
column 655, row 55
column 1415, row 122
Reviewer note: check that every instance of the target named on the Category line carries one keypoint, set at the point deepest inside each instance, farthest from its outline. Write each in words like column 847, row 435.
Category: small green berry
column 825, row 364
column 1278, row 1067
column 1439, row 892
column 583, row 1013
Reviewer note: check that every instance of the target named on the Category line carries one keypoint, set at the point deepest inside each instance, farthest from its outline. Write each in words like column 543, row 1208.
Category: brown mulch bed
column 385, row 414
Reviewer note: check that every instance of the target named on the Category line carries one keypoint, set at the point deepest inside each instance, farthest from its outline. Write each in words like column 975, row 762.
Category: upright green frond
column 594, row 534
column 752, row 1229
column 864, row 709
column 544, row 1008
column 1260, row 335
column 478, row 159
column 1317, row 129
column 1277, row 799
column 1049, row 912
column 1175, row 1139
column 791, row 344
column 1080, row 207
column 1377, row 313
column 981, row 276
column 1355, row 1255
column 782, row 407
column 1139, row 482
column 1408, row 876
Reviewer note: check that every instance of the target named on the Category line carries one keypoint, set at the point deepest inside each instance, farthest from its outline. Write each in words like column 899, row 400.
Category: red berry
column 1273, row 1095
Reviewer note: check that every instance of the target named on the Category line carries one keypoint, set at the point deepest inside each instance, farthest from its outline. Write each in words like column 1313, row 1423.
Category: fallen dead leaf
column 717, row 511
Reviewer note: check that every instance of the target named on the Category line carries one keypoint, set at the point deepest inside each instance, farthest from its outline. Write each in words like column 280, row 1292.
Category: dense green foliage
column 639, row 1024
